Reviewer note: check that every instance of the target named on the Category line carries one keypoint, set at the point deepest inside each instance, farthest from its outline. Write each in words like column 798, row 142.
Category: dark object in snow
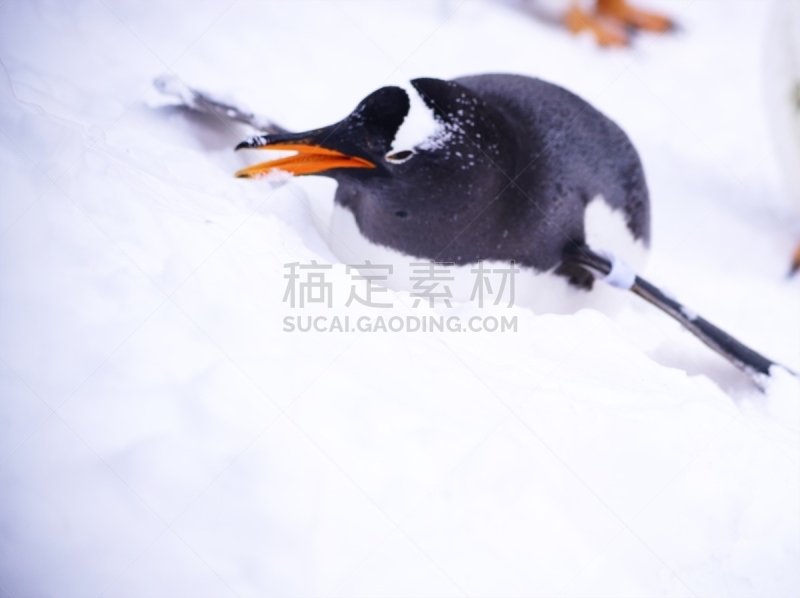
column 505, row 173
column 203, row 103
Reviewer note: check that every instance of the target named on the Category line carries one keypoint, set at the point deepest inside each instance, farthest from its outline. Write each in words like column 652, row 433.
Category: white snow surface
column 160, row 435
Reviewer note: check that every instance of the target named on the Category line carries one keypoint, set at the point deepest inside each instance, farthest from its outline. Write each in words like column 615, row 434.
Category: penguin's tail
column 615, row 272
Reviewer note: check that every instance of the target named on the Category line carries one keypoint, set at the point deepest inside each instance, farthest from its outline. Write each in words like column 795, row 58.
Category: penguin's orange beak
column 309, row 159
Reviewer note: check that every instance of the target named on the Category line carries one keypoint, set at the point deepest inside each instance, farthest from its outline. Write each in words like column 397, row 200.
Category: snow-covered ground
column 160, row 435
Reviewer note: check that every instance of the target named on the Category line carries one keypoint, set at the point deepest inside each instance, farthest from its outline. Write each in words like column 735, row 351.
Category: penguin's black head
column 427, row 152
column 359, row 141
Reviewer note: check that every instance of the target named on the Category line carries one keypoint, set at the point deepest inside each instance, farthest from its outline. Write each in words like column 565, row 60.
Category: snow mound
column 160, row 433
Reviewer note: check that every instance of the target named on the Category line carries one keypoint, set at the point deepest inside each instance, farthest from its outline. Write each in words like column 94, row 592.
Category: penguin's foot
column 633, row 17
column 577, row 275
column 795, row 262
column 605, row 31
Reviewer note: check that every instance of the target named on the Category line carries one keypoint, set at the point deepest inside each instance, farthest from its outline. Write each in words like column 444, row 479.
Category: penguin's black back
column 567, row 152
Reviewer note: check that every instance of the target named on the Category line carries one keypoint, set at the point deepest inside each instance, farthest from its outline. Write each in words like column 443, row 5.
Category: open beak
column 310, row 158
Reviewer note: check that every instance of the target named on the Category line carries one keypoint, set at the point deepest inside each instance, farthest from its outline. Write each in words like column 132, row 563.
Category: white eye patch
column 419, row 127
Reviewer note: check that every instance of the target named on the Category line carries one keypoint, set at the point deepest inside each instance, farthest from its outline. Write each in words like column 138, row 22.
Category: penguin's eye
column 399, row 157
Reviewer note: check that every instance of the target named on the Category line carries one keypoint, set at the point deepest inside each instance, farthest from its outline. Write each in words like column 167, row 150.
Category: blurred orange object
column 610, row 20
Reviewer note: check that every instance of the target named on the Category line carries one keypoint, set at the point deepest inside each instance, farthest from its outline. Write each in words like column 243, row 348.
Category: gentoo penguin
column 510, row 169
column 507, row 173
column 502, row 167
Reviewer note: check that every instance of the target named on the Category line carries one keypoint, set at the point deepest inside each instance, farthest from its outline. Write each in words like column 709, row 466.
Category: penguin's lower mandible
column 496, row 167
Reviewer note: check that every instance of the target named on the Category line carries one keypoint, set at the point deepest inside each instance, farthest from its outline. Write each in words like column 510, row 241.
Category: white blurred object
column 782, row 87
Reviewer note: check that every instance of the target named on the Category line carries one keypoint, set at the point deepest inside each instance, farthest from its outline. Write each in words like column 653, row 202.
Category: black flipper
column 744, row 358
column 205, row 104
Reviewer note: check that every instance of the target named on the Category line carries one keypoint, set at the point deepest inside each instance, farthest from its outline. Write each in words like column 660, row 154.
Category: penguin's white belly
column 542, row 292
